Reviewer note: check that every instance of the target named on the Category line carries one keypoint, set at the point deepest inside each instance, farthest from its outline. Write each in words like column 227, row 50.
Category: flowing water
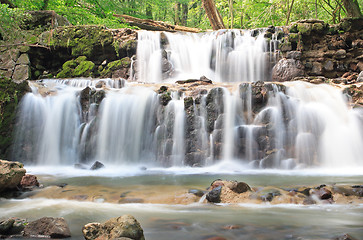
column 303, row 135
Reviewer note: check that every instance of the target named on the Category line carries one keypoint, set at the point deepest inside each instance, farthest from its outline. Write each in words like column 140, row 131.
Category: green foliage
column 11, row 21
column 79, row 67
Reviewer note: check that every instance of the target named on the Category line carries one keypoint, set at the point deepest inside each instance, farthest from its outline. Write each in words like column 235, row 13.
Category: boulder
column 21, row 73
column 214, row 195
column 47, row 227
column 124, row 227
column 97, row 165
column 287, row 69
column 28, row 182
column 11, row 174
column 238, row 187
column 12, row 226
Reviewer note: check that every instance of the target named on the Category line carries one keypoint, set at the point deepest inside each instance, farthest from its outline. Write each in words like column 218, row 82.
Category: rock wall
column 314, row 48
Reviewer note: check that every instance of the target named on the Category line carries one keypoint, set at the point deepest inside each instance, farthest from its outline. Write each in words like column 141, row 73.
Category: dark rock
column 162, row 89
column 124, row 227
column 287, row 69
column 29, row 182
column 6, row 225
column 238, row 187
column 267, row 194
column 47, row 227
column 214, row 195
column 196, row 192
column 97, row 165
column 322, row 193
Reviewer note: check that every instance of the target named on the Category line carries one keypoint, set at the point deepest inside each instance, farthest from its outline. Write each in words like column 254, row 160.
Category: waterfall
column 223, row 56
column 292, row 125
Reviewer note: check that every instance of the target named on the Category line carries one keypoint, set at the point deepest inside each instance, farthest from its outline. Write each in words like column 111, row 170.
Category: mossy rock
column 79, row 67
column 304, row 28
column 293, row 28
column 81, row 40
column 115, row 65
column 293, row 37
column 84, row 69
column 10, row 95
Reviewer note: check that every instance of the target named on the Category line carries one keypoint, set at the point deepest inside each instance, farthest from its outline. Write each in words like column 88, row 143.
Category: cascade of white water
column 149, row 57
column 328, row 132
column 126, row 126
column 223, row 56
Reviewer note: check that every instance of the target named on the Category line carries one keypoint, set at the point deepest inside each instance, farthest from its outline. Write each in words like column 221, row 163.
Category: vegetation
column 191, row 13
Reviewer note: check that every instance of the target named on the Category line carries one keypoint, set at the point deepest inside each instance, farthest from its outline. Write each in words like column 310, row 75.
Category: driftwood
column 155, row 25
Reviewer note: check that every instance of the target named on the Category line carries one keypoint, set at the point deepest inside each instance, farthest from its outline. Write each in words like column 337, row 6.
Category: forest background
column 235, row 13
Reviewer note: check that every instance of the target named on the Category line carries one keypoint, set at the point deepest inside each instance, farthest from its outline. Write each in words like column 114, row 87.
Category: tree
column 352, row 8
column 213, row 14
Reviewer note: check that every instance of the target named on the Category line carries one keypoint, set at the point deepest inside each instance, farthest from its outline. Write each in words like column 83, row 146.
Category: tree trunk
column 289, row 12
column 149, row 11
column 352, row 8
column 230, row 5
column 185, row 10
column 214, row 16
column 177, row 13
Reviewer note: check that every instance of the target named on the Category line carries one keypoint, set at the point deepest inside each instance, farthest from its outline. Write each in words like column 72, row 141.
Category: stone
column 122, row 227
column 21, row 73
column 48, row 227
column 328, row 65
column 196, row 192
column 23, row 59
column 317, row 69
column 238, row 187
column 45, row 20
column 11, row 174
column 287, row 69
column 5, row 226
column 97, row 165
column 341, row 54
column 214, row 195
column 294, row 55
column 29, row 182
column 360, row 77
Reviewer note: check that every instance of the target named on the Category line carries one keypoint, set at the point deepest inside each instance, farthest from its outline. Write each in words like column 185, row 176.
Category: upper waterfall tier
column 261, row 125
column 223, row 56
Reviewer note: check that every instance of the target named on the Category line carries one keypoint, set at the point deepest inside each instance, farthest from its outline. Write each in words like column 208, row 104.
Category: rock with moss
column 78, row 67
column 86, row 41
column 117, row 69
column 11, row 174
column 10, row 95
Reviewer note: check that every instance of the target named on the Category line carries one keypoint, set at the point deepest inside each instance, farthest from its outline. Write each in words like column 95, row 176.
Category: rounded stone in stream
column 214, row 195
column 47, row 227
column 97, row 165
column 196, row 192
column 238, row 187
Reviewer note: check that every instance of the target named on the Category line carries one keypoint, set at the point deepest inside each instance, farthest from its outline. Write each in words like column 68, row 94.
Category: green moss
column 84, row 69
column 293, row 28
column 304, row 28
column 115, row 65
column 10, row 95
column 82, row 40
column 293, row 37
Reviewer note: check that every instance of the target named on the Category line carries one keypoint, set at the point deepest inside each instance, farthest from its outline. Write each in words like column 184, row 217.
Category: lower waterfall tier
column 262, row 125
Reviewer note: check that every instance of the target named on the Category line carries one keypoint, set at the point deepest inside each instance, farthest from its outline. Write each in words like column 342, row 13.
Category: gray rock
column 97, row 165
column 124, row 227
column 23, row 59
column 287, row 69
column 47, row 227
column 360, row 77
column 341, row 54
column 317, row 69
column 214, row 195
column 328, row 66
column 21, row 73
column 294, row 55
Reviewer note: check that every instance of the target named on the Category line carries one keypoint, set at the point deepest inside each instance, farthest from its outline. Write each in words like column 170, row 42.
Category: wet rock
column 196, row 192
column 238, row 187
column 124, row 227
column 47, row 227
column 164, row 98
column 214, row 195
column 28, row 182
column 97, row 165
column 215, row 106
column 345, row 237
column 11, row 174
column 358, row 191
column 267, row 194
column 321, row 193
column 12, row 226
column 287, row 69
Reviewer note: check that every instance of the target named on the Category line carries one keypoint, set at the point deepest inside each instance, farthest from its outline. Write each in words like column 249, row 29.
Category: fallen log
column 151, row 25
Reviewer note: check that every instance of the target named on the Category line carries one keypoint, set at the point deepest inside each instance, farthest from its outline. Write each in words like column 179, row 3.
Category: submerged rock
column 47, row 227
column 124, row 227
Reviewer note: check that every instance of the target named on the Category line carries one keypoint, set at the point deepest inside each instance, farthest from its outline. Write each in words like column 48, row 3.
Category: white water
column 310, row 126
column 223, row 56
